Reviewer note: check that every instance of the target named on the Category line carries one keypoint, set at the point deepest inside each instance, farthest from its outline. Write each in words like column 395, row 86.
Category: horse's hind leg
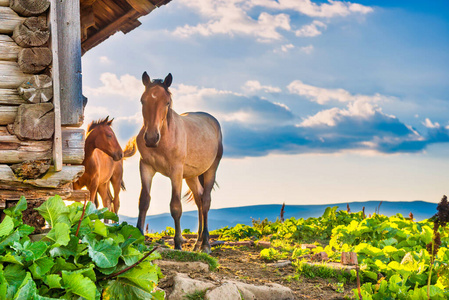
column 116, row 181
column 209, row 181
column 197, row 190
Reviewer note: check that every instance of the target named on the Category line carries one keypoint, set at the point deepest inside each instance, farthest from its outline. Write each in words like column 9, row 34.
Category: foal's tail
column 188, row 196
column 130, row 149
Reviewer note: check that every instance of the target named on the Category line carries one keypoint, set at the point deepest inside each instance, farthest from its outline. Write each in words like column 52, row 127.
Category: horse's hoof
column 206, row 249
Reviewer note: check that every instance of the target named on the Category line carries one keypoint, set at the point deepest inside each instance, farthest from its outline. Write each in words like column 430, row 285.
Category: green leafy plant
column 80, row 257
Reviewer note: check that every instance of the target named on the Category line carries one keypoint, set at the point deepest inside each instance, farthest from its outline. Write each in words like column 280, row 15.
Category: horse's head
column 100, row 133
column 156, row 105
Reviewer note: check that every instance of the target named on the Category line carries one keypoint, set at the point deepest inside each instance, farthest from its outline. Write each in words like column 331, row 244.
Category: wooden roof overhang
column 102, row 18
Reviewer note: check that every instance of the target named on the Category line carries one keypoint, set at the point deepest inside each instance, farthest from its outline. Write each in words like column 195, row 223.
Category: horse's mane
column 94, row 124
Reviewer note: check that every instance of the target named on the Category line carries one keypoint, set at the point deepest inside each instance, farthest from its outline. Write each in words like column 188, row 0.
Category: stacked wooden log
column 27, row 115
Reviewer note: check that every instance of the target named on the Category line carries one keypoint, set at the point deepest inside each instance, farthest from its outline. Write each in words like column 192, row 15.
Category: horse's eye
column 168, row 103
column 109, row 136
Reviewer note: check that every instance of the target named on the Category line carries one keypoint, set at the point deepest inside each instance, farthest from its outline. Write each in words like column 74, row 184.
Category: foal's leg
column 93, row 187
column 197, row 191
column 103, row 191
column 116, row 182
column 175, row 204
column 146, row 176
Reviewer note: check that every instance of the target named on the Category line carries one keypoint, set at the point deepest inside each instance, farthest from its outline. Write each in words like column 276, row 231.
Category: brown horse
column 103, row 162
column 185, row 146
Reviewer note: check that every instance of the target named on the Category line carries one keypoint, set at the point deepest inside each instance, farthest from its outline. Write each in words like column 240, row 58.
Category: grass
column 191, row 256
column 323, row 271
column 197, row 295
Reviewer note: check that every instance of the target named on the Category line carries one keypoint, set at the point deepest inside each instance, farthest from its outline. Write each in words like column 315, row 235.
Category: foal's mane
column 97, row 123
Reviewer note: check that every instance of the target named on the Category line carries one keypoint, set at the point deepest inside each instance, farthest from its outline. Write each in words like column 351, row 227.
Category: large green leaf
column 25, row 230
column 143, row 276
column 9, row 240
column 131, row 232
column 70, row 250
column 53, row 281
column 41, row 267
column 11, row 258
column 54, row 211
column 26, row 290
column 16, row 211
column 3, row 284
column 59, row 234
column 104, row 253
column 14, row 275
column 31, row 251
column 131, row 255
column 123, row 290
column 79, row 285
column 100, row 228
column 7, row 226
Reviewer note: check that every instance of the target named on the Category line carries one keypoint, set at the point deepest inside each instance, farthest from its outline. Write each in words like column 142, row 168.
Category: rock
column 264, row 292
column 264, row 244
column 308, row 246
column 183, row 267
column 281, row 264
column 183, row 285
column 227, row 291
column 320, row 256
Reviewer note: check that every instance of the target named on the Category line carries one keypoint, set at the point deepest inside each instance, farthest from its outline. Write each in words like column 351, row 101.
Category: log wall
column 28, row 112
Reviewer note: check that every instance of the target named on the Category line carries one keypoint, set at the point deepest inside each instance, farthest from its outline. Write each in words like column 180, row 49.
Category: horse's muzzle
column 152, row 142
column 117, row 156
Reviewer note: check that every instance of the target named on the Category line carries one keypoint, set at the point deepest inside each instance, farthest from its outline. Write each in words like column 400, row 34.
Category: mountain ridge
column 231, row 216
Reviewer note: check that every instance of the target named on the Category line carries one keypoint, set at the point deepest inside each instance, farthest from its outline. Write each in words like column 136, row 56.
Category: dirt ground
column 243, row 264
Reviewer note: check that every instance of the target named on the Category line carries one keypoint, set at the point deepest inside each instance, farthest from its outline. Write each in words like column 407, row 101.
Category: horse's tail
column 188, row 196
column 130, row 148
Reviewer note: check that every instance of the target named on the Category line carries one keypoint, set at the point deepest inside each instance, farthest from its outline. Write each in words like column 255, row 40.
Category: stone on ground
column 183, row 284
column 264, row 292
column 227, row 291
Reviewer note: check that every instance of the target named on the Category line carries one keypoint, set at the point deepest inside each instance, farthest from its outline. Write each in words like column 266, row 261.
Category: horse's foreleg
column 197, row 191
column 93, row 187
column 116, row 181
column 146, row 176
column 175, row 205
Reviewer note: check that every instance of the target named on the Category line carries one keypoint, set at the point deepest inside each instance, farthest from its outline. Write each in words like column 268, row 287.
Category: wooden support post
column 7, row 114
column 66, row 44
column 57, row 140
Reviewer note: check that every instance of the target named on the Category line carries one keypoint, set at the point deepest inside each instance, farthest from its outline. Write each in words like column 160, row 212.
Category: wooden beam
column 33, row 193
column 10, row 75
column 11, row 97
column 107, row 31
column 4, row 3
column 52, row 179
column 9, row 50
column 144, row 7
column 8, row 114
column 78, row 196
column 13, row 150
column 9, row 19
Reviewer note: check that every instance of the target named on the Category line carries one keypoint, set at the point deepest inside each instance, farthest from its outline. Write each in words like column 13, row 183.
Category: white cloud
column 255, row 86
column 307, row 49
column 323, row 95
column 429, row 124
column 287, row 47
column 127, row 86
column 105, row 60
column 311, row 9
column 312, row 29
column 230, row 17
column 330, row 117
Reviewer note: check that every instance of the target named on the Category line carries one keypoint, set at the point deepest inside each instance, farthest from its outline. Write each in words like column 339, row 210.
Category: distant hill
column 222, row 217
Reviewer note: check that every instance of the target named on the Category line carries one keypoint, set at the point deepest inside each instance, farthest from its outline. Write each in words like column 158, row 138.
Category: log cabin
column 41, row 100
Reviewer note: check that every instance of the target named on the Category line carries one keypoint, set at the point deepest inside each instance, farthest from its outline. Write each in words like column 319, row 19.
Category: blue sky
column 320, row 101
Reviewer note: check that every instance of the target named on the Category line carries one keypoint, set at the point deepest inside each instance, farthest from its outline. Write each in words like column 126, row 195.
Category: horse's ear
column 110, row 121
column 145, row 79
column 168, row 80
